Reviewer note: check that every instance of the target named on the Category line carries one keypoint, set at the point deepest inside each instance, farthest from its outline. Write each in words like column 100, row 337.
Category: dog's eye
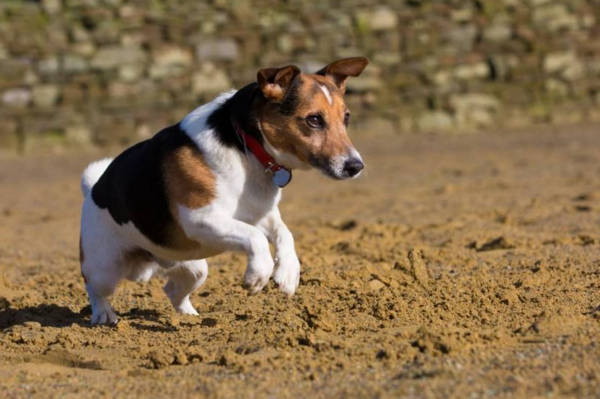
column 315, row 121
column 346, row 118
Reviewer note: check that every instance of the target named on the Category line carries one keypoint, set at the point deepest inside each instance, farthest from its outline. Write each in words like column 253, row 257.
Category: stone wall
column 115, row 71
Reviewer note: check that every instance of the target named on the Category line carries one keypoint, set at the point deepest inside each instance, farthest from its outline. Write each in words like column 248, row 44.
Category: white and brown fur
column 191, row 191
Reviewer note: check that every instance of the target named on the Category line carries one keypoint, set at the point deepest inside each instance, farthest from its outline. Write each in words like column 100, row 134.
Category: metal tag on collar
column 281, row 177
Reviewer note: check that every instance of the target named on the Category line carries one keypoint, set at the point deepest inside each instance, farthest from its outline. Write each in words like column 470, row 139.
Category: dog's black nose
column 352, row 166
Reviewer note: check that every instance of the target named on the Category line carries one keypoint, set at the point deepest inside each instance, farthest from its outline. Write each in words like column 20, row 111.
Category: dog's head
column 304, row 117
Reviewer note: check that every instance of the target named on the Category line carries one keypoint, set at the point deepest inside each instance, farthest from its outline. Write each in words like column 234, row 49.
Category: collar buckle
column 271, row 167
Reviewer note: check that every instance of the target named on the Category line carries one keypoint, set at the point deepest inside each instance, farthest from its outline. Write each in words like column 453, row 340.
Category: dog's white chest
column 245, row 191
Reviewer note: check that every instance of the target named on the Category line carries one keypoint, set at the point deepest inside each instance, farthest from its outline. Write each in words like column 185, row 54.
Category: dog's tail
column 92, row 173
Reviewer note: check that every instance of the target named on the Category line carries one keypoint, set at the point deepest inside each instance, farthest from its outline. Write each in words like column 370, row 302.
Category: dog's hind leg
column 184, row 278
column 101, row 277
column 102, row 262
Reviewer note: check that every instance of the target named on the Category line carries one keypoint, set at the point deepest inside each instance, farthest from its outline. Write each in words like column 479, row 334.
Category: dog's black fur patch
column 133, row 189
column 238, row 108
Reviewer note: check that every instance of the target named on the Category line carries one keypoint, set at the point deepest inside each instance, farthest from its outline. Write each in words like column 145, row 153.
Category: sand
column 464, row 266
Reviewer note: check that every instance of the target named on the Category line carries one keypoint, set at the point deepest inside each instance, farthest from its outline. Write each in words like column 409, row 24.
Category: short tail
column 92, row 173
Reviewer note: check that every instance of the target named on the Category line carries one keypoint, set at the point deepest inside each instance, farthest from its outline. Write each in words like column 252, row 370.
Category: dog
column 212, row 183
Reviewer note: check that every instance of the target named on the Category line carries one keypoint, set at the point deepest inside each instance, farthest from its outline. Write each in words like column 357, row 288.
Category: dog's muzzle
column 340, row 167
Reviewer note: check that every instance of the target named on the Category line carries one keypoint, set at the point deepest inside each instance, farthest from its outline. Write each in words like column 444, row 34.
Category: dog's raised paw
column 258, row 273
column 255, row 281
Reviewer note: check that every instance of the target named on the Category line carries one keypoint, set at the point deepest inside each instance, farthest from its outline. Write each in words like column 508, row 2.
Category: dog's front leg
column 218, row 232
column 287, row 275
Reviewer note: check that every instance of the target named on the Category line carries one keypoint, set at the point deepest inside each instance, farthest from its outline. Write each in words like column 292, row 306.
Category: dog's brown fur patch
column 189, row 180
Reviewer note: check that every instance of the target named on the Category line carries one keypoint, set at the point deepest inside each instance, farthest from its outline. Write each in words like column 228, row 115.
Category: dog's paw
column 287, row 275
column 258, row 274
column 186, row 307
column 105, row 315
column 254, row 281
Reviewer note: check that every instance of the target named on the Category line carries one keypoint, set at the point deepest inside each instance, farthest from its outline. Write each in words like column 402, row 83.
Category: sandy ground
column 455, row 266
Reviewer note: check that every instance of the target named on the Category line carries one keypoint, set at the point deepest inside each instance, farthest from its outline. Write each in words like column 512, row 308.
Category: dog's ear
column 274, row 82
column 340, row 70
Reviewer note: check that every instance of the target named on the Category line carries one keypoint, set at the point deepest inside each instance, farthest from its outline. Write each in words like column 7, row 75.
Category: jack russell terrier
column 212, row 183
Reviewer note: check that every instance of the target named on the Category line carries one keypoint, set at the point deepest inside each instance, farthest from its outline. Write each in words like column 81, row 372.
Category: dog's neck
column 239, row 109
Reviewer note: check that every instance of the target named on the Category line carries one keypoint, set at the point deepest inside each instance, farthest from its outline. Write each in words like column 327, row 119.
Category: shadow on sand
column 52, row 315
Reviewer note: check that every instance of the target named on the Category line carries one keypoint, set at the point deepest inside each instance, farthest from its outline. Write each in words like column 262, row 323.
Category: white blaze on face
column 327, row 94
column 355, row 154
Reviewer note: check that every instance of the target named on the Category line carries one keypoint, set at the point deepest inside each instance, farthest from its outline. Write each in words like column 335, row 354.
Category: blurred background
column 76, row 72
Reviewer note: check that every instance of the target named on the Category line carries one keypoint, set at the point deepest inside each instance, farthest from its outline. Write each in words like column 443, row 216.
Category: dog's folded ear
column 274, row 82
column 340, row 70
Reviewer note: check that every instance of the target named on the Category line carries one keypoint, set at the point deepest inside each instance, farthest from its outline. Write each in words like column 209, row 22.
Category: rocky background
column 116, row 71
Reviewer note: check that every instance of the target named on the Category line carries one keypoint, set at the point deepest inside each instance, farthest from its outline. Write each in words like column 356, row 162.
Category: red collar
column 281, row 175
